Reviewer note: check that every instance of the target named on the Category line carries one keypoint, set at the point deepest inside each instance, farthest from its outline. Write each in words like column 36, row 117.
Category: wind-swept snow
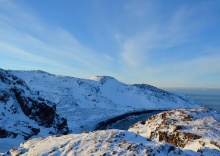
column 104, row 143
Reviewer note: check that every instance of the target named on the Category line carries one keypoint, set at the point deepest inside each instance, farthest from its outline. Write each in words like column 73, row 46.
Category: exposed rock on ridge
column 23, row 111
column 104, row 143
column 193, row 129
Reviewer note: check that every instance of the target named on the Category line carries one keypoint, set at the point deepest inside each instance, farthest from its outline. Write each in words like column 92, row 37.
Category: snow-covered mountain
column 24, row 113
column 193, row 129
column 104, row 143
column 38, row 104
column 87, row 102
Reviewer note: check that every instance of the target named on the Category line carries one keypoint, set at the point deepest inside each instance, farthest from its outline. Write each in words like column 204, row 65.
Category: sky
column 164, row 43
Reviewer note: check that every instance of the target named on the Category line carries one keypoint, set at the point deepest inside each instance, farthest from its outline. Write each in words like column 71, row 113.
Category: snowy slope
column 24, row 114
column 193, row 129
column 37, row 104
column 105, row 143
column 86, row 102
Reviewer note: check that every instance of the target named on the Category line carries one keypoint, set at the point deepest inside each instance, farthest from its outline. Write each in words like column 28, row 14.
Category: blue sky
column 162, row 43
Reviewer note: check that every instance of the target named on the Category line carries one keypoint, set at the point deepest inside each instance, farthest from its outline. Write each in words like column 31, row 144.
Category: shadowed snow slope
column 109, row 142
column 23, row 113
column 193, row 129
column 86, row 102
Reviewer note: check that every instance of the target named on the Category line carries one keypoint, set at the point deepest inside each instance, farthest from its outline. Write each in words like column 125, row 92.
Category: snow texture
column 193, row 129
column 87, row 102
column 104, row 143
column 38, row 104
column 24, row 114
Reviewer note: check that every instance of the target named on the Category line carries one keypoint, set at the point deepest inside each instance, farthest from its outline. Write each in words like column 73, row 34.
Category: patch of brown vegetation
column 179, row 139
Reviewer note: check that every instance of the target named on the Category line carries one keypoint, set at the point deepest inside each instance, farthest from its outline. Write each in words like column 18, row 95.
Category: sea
column 207, row 97
column 211, row 101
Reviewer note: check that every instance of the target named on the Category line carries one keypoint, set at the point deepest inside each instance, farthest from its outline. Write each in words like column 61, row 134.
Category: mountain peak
column 102, row 78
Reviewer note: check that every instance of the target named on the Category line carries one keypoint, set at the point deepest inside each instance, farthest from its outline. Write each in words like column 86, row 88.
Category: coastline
column 104, row 124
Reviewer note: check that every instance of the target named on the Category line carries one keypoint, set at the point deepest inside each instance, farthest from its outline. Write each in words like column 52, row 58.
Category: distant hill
column 36, row 103
column 86, row 102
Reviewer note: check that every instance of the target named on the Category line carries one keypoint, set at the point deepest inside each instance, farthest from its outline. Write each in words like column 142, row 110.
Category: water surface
column 206, row 96
column 126, row 122
column 211, row 101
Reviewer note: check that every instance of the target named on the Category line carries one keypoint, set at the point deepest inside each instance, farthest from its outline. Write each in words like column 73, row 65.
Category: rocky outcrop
column 103, row 143
column 20, row 106
column 193, row 129
column 6, row 134
column 179, row 139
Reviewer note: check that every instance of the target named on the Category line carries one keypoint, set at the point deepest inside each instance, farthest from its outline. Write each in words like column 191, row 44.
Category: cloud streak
column 25, row 36
column 139, row 51
column 162, row 36
column 137, row 42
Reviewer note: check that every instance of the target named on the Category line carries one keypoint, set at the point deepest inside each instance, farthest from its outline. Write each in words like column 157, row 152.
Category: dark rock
column 33, row 106
column 215, row 143
column 5, row 134
column 172, row 148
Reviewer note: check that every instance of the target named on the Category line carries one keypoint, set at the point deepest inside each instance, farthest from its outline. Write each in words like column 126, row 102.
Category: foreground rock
column 194, row 129
column 104, row 143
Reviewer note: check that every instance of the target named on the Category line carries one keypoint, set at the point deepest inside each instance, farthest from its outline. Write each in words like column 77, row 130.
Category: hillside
column 104, row 143
column 86, row 102
column 38, row 104
column 23, row 113
column 193, row 129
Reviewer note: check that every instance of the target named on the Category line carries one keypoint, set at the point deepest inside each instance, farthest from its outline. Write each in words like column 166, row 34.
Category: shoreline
column 102, row 125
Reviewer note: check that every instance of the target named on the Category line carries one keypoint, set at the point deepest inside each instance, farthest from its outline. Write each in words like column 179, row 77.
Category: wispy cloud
column 207, row 64
column 24, row 55
column 176, row 31
column 25, row 36
column 138, row 41
column 180, row 29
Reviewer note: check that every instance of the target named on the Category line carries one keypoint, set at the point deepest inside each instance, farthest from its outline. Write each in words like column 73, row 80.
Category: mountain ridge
column 23, row 113
column 86, row 102
column 105, row 143
column 50, row 104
